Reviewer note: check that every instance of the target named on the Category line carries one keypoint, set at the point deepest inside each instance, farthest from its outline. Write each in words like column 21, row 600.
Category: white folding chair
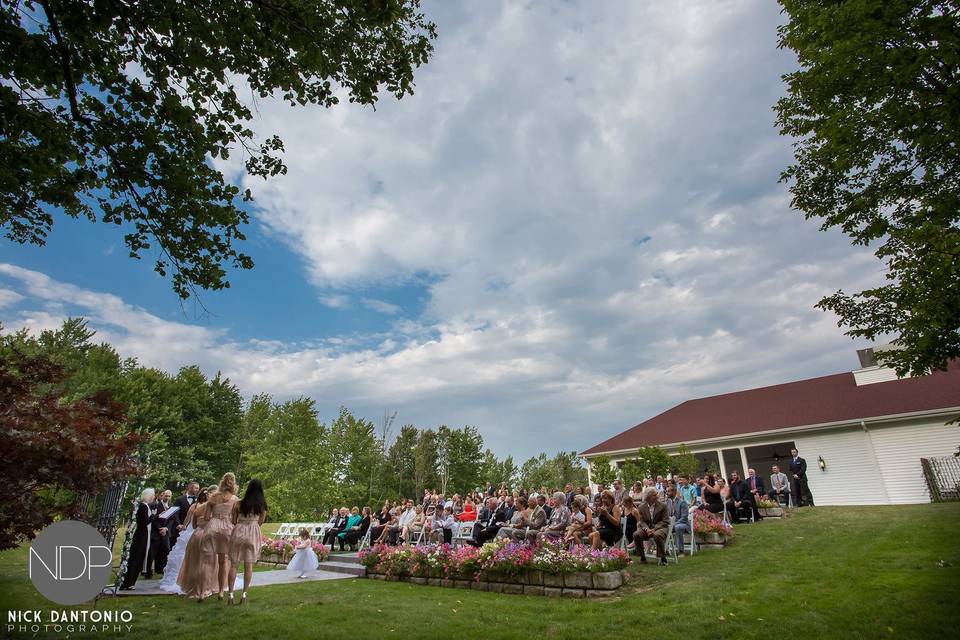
column 671, row 542
column 463, row 533
column 623, row 534
column 366, row 540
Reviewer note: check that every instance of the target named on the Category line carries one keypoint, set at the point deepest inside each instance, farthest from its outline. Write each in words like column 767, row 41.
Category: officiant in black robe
column 140, row 547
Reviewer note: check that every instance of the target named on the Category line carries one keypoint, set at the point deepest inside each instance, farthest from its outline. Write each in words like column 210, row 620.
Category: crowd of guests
column 575, row 515
column 200, row 541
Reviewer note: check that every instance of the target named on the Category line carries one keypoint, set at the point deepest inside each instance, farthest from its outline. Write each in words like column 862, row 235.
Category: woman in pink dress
column 216, row 535
column 198, row 573
column 248, row 515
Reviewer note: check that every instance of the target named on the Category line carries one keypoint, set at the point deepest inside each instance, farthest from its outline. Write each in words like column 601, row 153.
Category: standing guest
column 755, row 484
column 558, row 520
column 245, row 539
column 600, row 489
column 196, row 579
column 661, row 487
column 355, row 533
column 184, row 502
column 140, row 547
column 654, row 523
column 779, row 486
column 631, row 514
column 679, row 510
column 798, row 471
column 617, row 492
column 607, row 522
column 304, row 559
column 216, row 534
column 159, row 535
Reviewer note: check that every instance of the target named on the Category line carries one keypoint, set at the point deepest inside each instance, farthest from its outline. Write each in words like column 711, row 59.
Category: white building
column 870, row 429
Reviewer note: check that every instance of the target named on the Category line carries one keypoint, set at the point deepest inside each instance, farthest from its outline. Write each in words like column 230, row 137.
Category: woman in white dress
column 305, row 560
column 175, row 558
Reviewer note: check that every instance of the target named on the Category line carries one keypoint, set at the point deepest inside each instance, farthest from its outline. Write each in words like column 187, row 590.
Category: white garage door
column 899, row 449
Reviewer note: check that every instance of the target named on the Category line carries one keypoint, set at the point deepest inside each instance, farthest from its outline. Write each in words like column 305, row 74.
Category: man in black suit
column 798, row 479
column 159, row 536
column 542, row 501
column 756, row 486
column 741, row 497
column 340, row 525
column 568, row 495
column 184, row 501
column 490, row 520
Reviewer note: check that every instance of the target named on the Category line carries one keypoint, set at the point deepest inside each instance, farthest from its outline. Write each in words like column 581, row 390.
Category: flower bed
column 279, row 551
column 711, row 531
column 769, row 508
column 503, row 567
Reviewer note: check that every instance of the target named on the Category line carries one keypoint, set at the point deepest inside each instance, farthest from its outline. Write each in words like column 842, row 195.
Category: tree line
column 171, row 428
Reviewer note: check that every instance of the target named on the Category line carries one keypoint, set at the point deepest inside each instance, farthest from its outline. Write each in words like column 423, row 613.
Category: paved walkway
column 260, row 579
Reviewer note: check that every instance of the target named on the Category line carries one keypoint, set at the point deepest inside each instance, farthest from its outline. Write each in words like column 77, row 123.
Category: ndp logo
column 70, row 562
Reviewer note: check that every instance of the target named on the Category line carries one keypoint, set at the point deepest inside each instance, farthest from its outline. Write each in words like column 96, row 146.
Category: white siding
column 852, row 476
column 899, row 449
column 871, row 375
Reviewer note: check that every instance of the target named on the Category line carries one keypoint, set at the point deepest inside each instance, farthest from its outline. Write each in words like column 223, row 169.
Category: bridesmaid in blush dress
column 245, row 541
column 216, row 535
column 198, row 573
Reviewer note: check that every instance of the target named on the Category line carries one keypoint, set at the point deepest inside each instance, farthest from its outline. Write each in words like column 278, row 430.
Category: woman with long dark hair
column 248, row 514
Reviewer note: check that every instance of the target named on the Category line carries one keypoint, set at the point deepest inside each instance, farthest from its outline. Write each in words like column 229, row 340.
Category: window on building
column 709, row 462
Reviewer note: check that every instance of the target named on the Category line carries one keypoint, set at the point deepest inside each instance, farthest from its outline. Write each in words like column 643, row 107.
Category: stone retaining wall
column 582, row 584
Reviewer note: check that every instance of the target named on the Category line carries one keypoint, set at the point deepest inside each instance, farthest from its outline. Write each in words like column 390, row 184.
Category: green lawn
column 865, row 572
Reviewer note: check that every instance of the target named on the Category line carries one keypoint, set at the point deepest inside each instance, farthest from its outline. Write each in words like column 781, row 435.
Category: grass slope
column 827, row 572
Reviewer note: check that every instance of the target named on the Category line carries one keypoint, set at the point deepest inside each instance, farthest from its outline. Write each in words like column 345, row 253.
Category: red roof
column 828, row 399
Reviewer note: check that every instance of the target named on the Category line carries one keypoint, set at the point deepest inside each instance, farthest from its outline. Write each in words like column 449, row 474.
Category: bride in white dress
column 175, row 558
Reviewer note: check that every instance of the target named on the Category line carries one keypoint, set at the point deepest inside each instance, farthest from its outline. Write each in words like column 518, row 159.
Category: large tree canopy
column 113, row 109
column 875, row 111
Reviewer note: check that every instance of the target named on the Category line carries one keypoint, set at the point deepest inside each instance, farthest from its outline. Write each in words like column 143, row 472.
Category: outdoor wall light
column 821, row 463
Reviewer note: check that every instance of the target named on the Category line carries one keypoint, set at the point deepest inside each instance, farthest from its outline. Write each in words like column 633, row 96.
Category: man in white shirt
column 405, row 519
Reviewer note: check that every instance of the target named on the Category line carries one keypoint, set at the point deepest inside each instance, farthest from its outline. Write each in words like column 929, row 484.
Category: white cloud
column 593, row 191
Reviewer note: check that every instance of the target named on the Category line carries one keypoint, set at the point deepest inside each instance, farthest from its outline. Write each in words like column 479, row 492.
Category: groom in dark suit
column 184, row 502
column 159, row 536
column 798, row 479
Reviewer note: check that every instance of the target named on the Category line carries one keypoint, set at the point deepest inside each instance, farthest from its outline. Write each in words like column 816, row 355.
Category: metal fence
column 943, row 478
column 102, row 510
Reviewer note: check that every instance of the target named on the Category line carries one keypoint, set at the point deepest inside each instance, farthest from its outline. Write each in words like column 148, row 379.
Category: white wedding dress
column 174, row 560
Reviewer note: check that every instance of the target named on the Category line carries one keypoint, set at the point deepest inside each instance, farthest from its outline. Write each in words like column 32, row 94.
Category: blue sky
column 574, row 224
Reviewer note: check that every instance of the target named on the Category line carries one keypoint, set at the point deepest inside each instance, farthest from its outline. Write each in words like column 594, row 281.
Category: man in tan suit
column 538, row 518
column 653, row 523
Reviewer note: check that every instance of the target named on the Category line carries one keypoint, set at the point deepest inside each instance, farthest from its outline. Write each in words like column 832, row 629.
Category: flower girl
column 305, row 559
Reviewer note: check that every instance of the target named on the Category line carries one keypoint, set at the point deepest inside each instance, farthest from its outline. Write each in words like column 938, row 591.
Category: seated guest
column 654, row 523
column 741, row 497
column 413, row 528
column 559, row 518
column 536, row 520
column 542, row 501
column 755, row 484
column 509, row 507
column 468, row 514
column 636, row 492
column 356, row 532
column 686, row 491
column 382, row 519
column 779, row 486
column 600, row 489
column 630, row 511
column 581, row 521
column 391, row 524
column 712, row 501
column 679, row 510
column 338, row 526
column 445, row 525
column 403, row 522
column 352, row 521
column 661, row 487
column 489, row 521
column 606, row 529
column 518, row 521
